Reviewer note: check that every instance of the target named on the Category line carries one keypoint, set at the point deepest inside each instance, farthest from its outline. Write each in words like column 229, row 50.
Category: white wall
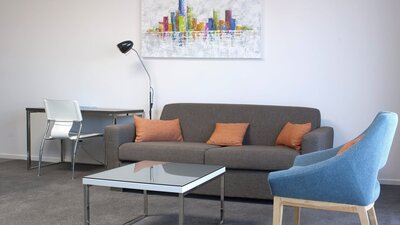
column 339, row 56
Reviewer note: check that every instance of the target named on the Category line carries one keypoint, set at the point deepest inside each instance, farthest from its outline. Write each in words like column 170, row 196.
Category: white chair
column 61, row 116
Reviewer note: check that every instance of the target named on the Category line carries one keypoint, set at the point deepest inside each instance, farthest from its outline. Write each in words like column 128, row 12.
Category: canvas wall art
column 201, row 28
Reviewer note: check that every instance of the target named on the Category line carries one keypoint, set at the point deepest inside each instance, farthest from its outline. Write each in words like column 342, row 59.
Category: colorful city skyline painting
column 201, row 28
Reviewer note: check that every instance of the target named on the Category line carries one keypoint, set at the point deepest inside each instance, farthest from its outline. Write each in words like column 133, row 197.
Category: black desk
column 113, row 113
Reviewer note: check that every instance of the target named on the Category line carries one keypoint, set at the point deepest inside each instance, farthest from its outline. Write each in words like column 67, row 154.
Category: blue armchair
column 346, row 182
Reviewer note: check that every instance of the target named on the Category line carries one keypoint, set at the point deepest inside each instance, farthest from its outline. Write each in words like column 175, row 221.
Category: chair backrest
column 62, row 110
column 370, row 154
column 379, row 135
column 63, row 113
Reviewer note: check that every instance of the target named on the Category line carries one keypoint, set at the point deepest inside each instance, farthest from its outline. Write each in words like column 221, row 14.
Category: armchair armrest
column 114, row 136
column 318, row 139
column 314, row 157
column 331, row 180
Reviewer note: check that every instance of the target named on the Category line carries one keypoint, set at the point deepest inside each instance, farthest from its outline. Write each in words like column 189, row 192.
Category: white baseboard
column 34, row 158
column 12, row 156
column 390, row 181
column 45, row 158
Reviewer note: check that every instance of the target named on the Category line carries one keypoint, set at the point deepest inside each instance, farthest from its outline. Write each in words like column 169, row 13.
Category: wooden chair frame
column 366, row 214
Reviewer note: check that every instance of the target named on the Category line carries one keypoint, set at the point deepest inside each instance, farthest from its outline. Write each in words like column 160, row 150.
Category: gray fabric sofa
column 247, row 165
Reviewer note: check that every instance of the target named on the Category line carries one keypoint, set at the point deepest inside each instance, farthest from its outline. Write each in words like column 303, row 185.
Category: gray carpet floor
column 54, row 198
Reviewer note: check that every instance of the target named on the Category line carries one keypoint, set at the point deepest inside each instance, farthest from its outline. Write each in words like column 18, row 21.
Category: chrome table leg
column 145, row 203
column 222, row 199
column 181, row 208
column 86, row 204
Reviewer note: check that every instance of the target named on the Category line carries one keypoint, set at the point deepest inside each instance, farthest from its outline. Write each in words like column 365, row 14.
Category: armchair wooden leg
column 372, row 216
column 278, row 210
column 296, row 215
column 363, row 215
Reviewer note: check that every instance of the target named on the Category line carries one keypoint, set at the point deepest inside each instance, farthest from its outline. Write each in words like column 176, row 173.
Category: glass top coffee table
column 156, row 176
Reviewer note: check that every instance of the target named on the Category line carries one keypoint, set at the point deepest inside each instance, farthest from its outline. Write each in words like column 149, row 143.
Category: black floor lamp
column 125, row 47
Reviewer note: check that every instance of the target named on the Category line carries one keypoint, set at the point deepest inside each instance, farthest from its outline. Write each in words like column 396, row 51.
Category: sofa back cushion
column 265, row 121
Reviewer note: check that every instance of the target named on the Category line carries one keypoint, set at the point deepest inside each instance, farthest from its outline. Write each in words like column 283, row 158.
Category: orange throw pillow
column 157, row 130
column 228, row 134
column 349, row 144
column 292, row 135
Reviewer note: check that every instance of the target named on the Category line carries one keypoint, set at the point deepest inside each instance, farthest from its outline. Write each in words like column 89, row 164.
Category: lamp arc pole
column 151, row 90
column 127, row 46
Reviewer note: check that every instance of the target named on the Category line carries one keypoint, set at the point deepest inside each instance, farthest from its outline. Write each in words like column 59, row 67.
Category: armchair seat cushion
column 252, row 157
column 180, row 152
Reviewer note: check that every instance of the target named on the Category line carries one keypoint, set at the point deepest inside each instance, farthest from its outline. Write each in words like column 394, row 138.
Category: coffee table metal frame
column 180, row 190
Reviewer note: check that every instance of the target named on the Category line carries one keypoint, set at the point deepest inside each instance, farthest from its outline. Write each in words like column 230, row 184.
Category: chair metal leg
column 40, row 155
column 73, row 159
column 278, row 210
column 363, row 215
column 372, row 216
column 75, row 147
column 296, row 215
column 42, row 146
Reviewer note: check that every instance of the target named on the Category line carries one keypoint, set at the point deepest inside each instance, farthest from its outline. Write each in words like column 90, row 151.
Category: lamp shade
column 125, row 46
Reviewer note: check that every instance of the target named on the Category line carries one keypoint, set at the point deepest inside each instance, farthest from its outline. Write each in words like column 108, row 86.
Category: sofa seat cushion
column 180, row 152
column 252, row 157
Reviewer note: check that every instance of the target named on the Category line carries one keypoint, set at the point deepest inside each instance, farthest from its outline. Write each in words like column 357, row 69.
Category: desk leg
column 86, row 204
column 114, row 119
column 28, row 139
column 181, row 208
column 63, row 147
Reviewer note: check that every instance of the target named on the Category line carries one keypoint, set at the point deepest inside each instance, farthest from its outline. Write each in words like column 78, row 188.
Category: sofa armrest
column 114, row 136
column 317, row 139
